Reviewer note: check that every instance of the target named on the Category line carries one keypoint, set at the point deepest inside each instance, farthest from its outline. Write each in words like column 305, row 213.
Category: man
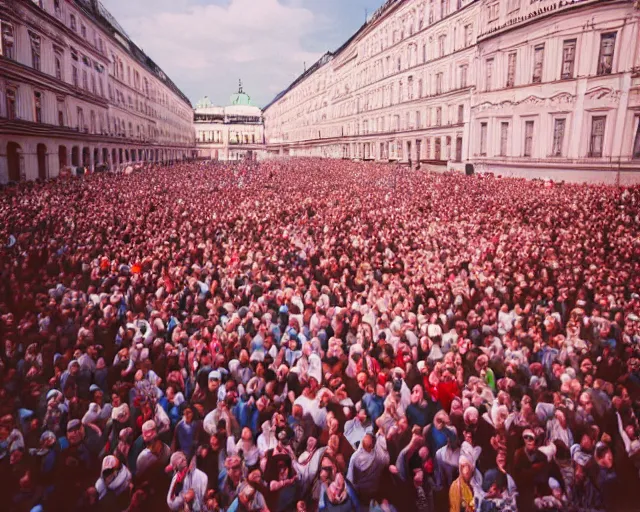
column 188, row 485
column 155, row 453
column 531, row 471
column 366, row 466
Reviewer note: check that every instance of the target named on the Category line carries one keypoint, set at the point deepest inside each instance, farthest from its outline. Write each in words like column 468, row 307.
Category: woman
column 245, row 448
column 461, row 498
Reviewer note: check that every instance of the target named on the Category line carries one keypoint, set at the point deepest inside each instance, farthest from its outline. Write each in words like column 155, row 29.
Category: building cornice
column 17, row 72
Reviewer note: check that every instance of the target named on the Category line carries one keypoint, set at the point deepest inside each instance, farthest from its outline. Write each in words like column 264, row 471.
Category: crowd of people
column 307, row 334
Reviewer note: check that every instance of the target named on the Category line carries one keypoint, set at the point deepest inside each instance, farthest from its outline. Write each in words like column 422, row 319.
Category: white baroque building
column 75, row 91
column 234, row 132
column 546, row 88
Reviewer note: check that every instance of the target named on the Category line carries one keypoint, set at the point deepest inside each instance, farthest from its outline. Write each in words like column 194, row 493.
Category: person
column 188, row 486
column 349, row 351
column 114, row 483
column 366, row 466
column 461, row 494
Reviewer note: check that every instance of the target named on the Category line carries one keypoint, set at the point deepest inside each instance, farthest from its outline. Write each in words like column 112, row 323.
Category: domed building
column 231, row 133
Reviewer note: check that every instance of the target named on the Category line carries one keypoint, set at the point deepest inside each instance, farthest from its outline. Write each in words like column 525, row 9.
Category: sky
column 205, row 46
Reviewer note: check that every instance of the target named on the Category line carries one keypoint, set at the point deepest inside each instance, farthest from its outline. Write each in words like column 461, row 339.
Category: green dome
column 240, row 98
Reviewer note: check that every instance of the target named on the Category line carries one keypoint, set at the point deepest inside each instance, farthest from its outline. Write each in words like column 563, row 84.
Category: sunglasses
column 529, row 438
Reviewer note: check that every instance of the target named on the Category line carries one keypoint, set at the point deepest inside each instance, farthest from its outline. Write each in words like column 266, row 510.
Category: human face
column 529, row 442
column 416, row 395
column 466, row 471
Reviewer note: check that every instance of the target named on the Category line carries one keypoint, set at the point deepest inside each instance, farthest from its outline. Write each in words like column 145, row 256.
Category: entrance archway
column 105, row 157
column 62, row 156
column 96, row 157
column 75, row 156
column 126, row 155
column 86, row 155
column 14, row 155
column 42, row 161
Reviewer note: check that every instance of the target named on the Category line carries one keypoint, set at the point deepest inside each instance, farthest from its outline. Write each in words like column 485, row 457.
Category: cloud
column 206, row 47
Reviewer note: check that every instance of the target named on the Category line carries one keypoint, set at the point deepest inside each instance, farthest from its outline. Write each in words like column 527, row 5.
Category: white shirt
column 196, row 480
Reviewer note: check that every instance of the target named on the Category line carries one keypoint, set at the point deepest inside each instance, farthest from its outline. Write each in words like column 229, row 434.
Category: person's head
column 466, row 469
column 149, row 431
column 417, row 394
column 187, row 414
column 368, row 442
column 246, row 495
column 529, row 440
column 604, row 456
column 233, row 465
column 75, row 432
column 246, row 434
column 179, row 462
column 213, row 381
column 214, row 443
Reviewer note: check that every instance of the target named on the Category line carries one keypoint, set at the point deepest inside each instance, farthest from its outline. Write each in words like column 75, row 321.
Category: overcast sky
column 206, row 45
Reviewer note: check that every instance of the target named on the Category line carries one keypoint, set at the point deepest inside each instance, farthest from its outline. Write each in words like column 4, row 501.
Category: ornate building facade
column 75, row 91
column 517, row 87
column 235, row 132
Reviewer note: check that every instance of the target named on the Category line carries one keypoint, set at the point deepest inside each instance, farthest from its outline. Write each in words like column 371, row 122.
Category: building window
column 58, row 64
column 494, row 11
column 35, row 50
column 37, row 104
column 463, row 76
column 92, row 121
column 420, row 88
column 605, row 60
column 56, row 7
column 489, row 82
column 442, row 40
column 11, row 103
column 80, row 119
column 8, row 49
column 438, row 116
column 437, row 148
column 438, row 83
column 568, row 58
column 410, row 88
column 538, row 61
column 458, row 149
column 408, row 121
column 93, row 85
column 72, row 23
column 418, row 120
column 74, row 74
column 60, row 104
column 468, row 35
column 444, row 8
column 636, row 142
column 83, row 31
column 528, row 138
column 460, row 114
column 504, row 137
column 85, row 81
column 597, row 136
column 558, row 136
column 399, row 66
column 424, row 53
column 511, row 69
